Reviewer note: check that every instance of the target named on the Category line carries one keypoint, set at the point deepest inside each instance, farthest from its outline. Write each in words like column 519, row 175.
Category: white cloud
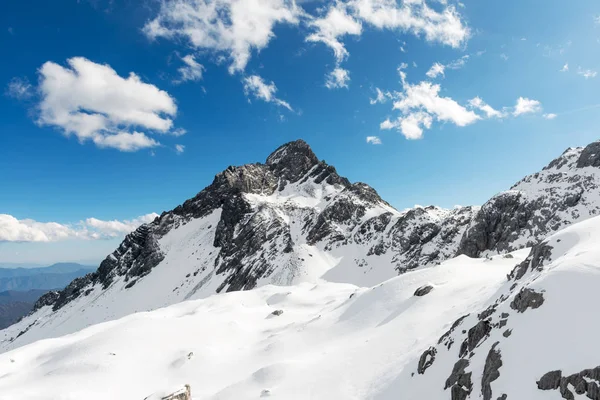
column 232, row 28
column 19, row 88
column 565, row 68
column 338, row 78
column 414, row 16
column 381, row 97
column 421, row 104
column 550, row 116
column 28, row 230
column 526, row 106
column 425, row 96
column 192, row 71
column 587, row 73
column 387, row 124
column 255, row 86
column 436, row 70
column 597, row 19
column 179, row 148
column 335, row 24
column 504, row 56
column 373, row 140
column 458, row 63
column 489, row 111
column 94, row 103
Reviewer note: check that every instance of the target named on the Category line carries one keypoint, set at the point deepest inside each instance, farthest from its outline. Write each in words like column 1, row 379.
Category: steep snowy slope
column 290, row 220
column 331, row 341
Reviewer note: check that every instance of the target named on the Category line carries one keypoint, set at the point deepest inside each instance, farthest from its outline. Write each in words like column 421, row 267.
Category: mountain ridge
column 293, row 219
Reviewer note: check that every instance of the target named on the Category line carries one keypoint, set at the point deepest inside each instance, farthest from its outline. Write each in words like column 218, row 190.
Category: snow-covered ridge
column 294, row 220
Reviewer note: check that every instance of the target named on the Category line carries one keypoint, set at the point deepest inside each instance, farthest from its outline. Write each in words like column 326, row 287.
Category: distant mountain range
column 52, row 277
column 21, row 287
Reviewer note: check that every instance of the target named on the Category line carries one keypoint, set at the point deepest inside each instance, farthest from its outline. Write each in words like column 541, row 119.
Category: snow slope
column 332, row 341
column 339, row 341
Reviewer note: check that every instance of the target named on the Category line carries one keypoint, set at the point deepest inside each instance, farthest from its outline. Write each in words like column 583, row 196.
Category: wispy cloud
column 587, row 73
column 19, row 88
column 373, row 140
column 338, row 78
column 256, row 87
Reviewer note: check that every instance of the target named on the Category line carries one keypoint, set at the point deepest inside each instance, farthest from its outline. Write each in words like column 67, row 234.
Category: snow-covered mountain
column 514, row 326
column 290, row 220
column 294, row 222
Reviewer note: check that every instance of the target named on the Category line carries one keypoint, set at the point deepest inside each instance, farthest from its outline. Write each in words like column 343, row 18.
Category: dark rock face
column 46, row 299
column 550, row 380
column 423, row 290
column 527, row 298
column 585, row 383
column 491, row 372
column 541, row 203
column 475, row 335
column 277, row 312
column 540, row 253
column 590, row 156
column 459, row 381
column 426, row 360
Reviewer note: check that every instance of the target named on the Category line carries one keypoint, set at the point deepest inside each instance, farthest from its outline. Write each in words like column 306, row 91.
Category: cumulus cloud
column 256, row 87
column 335, row 24
column 338, row 78
column 94, row 103
column 191, row 71
column 550, row 116
column 587, row 73
column 228, row 27
column 526, row 106
column 373, row 140
column 28, row 230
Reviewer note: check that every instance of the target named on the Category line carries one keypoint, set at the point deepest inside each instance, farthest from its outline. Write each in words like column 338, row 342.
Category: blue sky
column 98, row 158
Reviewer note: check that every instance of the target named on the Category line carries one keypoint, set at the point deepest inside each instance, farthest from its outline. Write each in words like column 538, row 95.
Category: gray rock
column 475, row 335
column 426, row 360
column 491, row 371
column 277, row 312
column 527, row 298
column 423, row 290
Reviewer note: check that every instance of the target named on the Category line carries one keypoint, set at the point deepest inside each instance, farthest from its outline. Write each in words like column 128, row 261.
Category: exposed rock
column 487, row 312
column 446, row 338
column 507, row 333
column 584, row 382
column 427, row 358
column 423, row 290
column 459, row 381
column 475, row 335
column 527, row 298
column 491, row 371
column 277, row 312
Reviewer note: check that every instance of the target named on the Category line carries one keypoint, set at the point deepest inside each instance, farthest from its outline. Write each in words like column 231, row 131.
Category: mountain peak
column 292, row 150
